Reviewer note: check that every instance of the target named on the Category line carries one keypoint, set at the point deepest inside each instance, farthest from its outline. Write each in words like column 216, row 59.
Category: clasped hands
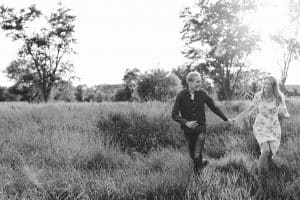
column 231, row 120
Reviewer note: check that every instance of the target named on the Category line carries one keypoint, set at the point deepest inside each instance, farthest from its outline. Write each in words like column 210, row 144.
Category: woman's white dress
column 266, row 127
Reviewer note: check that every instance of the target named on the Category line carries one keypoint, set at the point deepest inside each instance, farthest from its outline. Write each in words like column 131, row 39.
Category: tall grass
column 134, row 151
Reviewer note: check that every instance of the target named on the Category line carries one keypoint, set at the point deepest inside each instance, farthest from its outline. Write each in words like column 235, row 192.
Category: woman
column 266, row 129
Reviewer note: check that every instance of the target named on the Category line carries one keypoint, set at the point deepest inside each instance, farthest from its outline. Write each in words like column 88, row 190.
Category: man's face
column 195, row 84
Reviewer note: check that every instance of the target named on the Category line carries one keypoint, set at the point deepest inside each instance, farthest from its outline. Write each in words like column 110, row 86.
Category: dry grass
column 76, row 151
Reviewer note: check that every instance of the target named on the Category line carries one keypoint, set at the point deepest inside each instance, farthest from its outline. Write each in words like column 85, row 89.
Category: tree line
column 156, row 84
column 217, row 44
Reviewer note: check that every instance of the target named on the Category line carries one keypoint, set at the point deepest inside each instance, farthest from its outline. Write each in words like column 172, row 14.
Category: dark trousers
column 195, row 139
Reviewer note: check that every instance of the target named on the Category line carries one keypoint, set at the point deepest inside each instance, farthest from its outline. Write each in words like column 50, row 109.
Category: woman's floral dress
column 266, row 127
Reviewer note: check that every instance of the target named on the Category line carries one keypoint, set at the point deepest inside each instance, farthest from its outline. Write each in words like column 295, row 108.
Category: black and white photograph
column 150, row 100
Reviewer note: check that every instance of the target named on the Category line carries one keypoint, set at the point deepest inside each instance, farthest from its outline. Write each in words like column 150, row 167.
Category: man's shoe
column 199, row 165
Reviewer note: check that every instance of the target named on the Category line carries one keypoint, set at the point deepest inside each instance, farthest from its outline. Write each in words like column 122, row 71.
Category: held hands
column 287, row 115
column 194, row 124
column 191, row 124
column 231, row 120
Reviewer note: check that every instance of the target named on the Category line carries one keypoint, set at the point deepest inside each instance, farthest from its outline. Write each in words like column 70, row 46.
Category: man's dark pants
column 196, row 139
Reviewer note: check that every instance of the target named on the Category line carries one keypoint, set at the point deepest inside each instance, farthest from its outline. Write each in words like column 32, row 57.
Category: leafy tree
column 63, row 91
column 108, row 88
column 290, row 47
column 217, row 42
column 123, row 94
column 182, row 72
column 131, row 77
column 295, row 91
column 25, row 85
column 249, row 83
column 93, row 94
column 157, row 85
column 41, row 59
column 89, row 94
column 288, row 41
column 99, row 96
column 167, row 87
column 79, row 90
column 3, row 93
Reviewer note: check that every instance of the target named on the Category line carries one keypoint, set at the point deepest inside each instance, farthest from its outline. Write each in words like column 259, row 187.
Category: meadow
column 135, row 151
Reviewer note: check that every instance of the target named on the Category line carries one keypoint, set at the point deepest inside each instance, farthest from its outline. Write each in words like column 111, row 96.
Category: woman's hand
column 287, row 115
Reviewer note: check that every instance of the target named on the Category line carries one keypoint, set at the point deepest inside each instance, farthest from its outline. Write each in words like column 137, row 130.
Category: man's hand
column 231, row 120
column 191, row 124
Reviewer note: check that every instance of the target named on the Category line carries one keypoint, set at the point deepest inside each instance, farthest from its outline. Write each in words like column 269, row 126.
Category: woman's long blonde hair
column 276, row 91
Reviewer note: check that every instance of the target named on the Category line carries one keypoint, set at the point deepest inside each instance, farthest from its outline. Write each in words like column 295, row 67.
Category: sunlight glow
column 115, row 35
column 269, row 18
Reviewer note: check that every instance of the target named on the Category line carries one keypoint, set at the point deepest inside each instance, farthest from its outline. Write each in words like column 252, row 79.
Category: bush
column 123, row 94
column 137, row 132
column 99, row 96
column 157, row 85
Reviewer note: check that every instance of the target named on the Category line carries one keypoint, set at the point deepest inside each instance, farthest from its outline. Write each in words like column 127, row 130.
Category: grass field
column 134, row 151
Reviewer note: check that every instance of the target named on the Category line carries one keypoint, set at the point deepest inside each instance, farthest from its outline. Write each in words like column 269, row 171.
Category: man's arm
column 176, row 110
column 211, row 104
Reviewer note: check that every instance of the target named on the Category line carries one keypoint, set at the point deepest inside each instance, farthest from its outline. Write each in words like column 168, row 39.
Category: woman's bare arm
column 246, row 112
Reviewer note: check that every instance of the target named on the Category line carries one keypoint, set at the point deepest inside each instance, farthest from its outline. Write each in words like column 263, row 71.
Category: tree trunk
column 45, row 93
column 227, row 84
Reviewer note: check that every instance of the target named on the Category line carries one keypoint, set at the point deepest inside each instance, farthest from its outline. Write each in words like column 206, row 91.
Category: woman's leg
column 263, row 168
column 264, row 159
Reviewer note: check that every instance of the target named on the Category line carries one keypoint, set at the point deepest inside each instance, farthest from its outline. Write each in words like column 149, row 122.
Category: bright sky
column 116, row 34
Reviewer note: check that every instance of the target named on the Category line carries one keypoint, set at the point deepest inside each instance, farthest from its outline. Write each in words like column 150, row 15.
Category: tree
column 41, row 59
column 123, row 94
column 290, row 47
column 79, row 90
column 167, row 87
column 157, row 85
column 217, row 42
column 131, row 77
column 3, row 93
column 25, row 86
column 89, row 94
column 63, row 91
column 249, row 83
column 182, row 72
column 99, row 96
column 288, row 41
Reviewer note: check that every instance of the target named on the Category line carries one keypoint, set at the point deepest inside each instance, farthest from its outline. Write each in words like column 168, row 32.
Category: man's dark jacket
column 186, row 109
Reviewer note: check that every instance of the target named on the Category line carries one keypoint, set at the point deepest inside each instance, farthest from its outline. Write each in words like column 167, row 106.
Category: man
column 189, row 111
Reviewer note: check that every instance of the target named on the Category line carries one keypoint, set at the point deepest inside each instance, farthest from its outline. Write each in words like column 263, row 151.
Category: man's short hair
column 190, row 76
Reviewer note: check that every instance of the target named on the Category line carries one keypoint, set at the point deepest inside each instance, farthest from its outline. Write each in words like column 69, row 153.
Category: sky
column 113, row 35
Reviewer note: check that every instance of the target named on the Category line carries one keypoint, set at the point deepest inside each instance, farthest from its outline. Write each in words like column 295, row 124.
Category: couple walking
column 189, row 112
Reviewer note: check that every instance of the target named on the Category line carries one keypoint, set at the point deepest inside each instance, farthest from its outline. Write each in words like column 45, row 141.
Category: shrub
column 123, row 94
column 157, row 85
column 135, row 131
